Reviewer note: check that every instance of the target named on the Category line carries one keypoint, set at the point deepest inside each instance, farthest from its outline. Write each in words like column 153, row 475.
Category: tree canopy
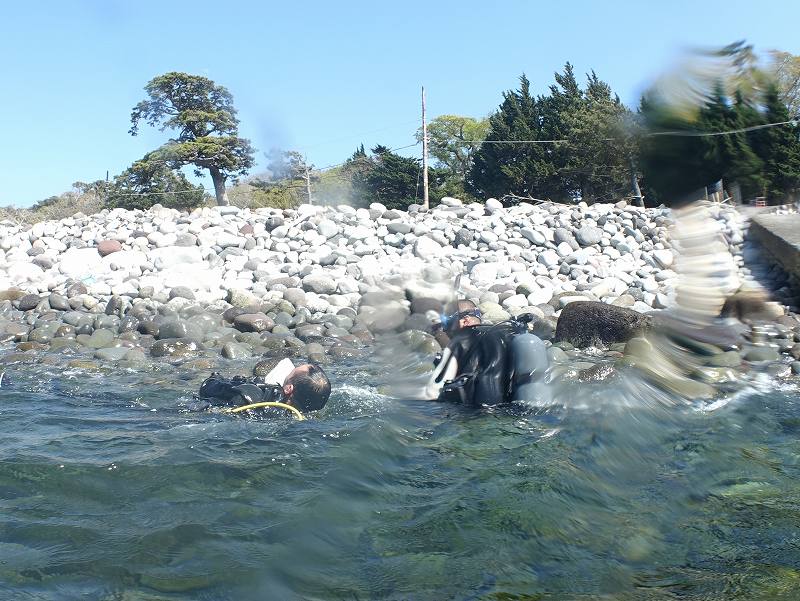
column 202, row 115
column 572, row 143
column 150, row 181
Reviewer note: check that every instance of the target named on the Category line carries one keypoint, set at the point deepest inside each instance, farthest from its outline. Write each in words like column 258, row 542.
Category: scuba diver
column 297, row 389
column 487, row 364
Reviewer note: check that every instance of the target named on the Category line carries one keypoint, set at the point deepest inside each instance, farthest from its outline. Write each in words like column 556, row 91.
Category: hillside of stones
column 125, row 284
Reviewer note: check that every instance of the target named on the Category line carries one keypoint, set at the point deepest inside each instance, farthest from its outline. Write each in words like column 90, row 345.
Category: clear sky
column 321, row 77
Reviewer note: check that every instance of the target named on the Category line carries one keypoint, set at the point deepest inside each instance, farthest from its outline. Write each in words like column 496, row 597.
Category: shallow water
column 110, row 489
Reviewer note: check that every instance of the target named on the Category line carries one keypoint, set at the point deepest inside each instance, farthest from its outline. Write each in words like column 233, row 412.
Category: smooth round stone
column 112, row 354
column 253, row 322
column 43, row 334
column 100, row 339
column 281, row 329
column 58, row 302
column 796, row 367
column 172, row 328
column 233, row 350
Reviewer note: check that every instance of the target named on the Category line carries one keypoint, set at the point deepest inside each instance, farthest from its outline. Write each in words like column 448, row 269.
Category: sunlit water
column 112, row 490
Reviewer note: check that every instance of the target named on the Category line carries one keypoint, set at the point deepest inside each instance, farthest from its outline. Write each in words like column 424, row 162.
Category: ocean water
column 112, row 489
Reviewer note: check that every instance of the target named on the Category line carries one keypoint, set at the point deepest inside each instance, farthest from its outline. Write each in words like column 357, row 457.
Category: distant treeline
column 571, row 143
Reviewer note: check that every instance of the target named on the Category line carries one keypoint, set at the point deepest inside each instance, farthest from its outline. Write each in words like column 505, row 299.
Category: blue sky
column 320, row 77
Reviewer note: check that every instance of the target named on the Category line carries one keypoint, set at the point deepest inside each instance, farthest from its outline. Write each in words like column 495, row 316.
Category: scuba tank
column 530, row 365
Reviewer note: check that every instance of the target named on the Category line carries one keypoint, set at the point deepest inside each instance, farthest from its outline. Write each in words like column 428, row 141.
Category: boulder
column 589, row 323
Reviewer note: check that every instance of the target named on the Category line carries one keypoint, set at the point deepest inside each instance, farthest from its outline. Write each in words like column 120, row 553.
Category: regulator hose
column 297, row 413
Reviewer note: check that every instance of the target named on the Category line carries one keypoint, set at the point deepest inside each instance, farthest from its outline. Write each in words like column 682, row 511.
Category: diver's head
column 307, row 387
column 461, row 314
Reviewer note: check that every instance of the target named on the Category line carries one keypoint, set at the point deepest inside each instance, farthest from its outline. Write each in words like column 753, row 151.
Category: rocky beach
column 197, row 289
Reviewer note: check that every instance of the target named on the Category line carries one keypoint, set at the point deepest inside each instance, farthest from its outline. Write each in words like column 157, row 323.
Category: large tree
column 453, row 141
column 568, row 144
column 150, row 181
column 202, row 114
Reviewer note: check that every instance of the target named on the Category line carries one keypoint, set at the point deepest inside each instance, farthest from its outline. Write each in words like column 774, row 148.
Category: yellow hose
column 294, row 410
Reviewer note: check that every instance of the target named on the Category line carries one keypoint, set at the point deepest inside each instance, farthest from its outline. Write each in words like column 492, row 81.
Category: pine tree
column 522, row 169
column 779, row 149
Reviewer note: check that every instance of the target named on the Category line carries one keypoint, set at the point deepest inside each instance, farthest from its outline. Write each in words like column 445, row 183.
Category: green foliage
column 388, row 178
column 778, row 147
column 152, row 181
column 202, row 114
column 762, row 161
column 453, row 142
column 591, row 159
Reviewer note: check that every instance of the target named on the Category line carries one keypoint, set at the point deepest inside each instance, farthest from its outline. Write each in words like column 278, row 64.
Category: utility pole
column 425, row 202
column 308, row 180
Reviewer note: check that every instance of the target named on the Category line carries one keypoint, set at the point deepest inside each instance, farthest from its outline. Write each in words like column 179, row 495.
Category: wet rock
column 175, row 347
column 29, row 301
column 233, row 350
column 31, row 346
column 58, row 302
column 253, row 322
column 172, row 328
column 99, row 339
column 83, row 364
column 589, row 323
column 779, row 370
column 111, row 354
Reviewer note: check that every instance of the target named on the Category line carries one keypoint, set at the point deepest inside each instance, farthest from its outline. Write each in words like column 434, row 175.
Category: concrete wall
column 779, row 235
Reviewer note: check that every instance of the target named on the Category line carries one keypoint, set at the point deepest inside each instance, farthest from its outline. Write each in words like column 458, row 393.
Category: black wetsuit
column 485, row 366
column 237, row 391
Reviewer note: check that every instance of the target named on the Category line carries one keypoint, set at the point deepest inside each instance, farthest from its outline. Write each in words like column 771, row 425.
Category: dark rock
column 253, row 322
column 230, row 314
column 422, row 305
column 58, row 302
column 128, row 324
column 29, row 301
column 77, row 289
column 588, row 323
column 43, row 261
column 65, row 331
column 463, row 236
column 117, row 305
column 309, row 332
column 148, row 327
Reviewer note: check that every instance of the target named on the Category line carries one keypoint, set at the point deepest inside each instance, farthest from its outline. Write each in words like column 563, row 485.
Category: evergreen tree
column 388, row 178
column 522, row 169
column 778, row 147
